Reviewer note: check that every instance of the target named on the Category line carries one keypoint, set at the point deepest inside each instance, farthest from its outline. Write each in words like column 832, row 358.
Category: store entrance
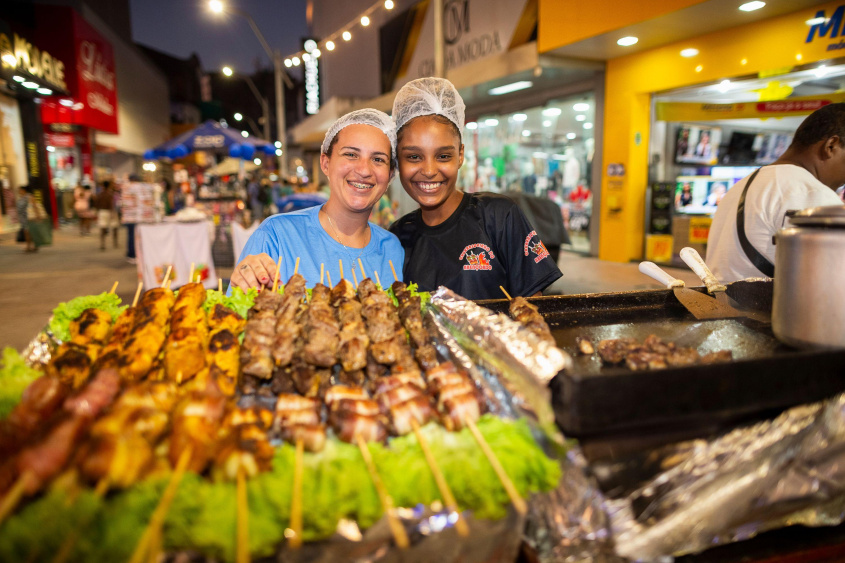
column 696, row 159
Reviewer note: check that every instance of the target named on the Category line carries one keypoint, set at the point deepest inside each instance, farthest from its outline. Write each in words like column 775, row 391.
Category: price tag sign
column 699, row 229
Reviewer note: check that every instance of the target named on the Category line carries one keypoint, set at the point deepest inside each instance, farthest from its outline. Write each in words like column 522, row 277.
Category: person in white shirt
column 806, row 175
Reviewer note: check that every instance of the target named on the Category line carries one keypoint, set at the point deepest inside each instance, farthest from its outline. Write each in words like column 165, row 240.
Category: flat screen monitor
column 697, row 144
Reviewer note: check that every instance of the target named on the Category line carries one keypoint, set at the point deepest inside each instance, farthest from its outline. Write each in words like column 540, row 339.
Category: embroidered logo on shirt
column 537, row 248
column 478, row 257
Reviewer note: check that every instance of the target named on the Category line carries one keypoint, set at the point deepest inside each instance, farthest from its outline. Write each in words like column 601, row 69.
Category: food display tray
column 595, row 402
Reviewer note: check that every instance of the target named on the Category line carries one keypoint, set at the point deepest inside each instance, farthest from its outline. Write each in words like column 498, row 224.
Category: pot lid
column 827, row 216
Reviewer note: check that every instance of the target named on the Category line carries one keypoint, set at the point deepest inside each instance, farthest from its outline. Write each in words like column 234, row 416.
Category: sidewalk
column 31, row 285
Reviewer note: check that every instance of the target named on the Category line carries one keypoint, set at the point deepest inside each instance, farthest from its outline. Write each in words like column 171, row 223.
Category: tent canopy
column 213, row 137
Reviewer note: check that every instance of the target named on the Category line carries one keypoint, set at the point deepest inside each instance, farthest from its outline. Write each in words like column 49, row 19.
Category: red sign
column 90, row 77
column 787, row 106
column 59, row 140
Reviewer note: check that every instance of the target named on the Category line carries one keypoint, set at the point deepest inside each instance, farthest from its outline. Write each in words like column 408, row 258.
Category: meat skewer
column 137, row 293
column 113, row 288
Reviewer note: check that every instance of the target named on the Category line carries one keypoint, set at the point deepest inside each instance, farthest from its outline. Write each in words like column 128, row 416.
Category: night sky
column 182, row 27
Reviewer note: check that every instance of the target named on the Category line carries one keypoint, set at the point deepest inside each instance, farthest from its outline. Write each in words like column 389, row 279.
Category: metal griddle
column 609, row 408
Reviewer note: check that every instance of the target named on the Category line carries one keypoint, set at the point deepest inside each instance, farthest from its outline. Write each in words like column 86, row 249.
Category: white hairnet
column 429, row 96
column 366, row 116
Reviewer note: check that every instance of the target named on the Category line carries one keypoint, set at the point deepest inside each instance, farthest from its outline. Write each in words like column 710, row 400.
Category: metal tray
column 606, row 403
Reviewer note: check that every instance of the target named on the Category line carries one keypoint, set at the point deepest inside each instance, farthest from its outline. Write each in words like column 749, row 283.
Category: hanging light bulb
column 388, row 4
column 347, row 36
column 330, row 45
column 365, row 21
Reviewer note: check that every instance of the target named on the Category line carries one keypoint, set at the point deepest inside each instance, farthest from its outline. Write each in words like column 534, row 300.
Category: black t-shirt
column 487, row 242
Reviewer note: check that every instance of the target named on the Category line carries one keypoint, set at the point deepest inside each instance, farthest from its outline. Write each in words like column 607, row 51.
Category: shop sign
column 472, row 30
column 683, row 111
column 96, row 84
column 208, row 141
column 59, row 140
column 699, row 229
column 658, row 248
column 29, row 60
column 829, row 27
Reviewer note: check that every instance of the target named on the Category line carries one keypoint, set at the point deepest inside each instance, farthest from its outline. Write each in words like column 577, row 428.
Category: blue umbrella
column 213, row 137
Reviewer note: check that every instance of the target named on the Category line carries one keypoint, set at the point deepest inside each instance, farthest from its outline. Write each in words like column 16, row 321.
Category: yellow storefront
column 766, row 48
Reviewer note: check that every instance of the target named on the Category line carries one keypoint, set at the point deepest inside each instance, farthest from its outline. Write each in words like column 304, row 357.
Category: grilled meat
column 527, row 314
column 717, row 357
column 584, row 346
column 91, row 327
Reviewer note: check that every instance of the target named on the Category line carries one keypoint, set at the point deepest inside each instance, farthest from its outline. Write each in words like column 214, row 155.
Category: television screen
column 773, row 145
column 742, row 148
column 697, row 144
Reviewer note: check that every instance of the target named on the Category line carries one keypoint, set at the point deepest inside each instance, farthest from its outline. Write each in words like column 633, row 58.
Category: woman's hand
column 254, row 271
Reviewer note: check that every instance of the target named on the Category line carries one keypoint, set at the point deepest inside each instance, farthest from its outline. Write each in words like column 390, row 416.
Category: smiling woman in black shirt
column 471, row 243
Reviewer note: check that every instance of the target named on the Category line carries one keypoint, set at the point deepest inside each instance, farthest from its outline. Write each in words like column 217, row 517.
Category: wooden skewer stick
column 395, row 277
column 296, row 266
column 322, row 272
column 508, row 295
column 137, row 293
column 114, row 287
column 69, row 543
column 148, row 539
column 378, row 281
column 329, row 278
column 191, row 273
column 220, row 285
column 295, row 538
column 445, row 491
column 396, row 528
column 167, row 275
column 278, row 273
column 339, row 261
column 242, row 544
column 363, row 272
column 517, row 501
column 14, row 496
column 355, row 278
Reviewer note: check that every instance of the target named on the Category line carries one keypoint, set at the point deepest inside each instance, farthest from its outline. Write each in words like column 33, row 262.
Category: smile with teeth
column 360, row 185
column 428, row 186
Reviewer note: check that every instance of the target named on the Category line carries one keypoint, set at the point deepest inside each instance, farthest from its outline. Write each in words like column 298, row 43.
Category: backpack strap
column 760, row 262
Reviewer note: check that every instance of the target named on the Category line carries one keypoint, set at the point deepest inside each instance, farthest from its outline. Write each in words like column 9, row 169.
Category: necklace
column 337, row 236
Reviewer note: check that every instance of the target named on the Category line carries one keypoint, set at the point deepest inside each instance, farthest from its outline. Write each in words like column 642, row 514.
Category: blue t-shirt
column 299, row 234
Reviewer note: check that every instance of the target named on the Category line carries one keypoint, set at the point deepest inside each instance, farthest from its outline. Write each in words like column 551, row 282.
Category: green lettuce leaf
column 66, row 312
column 15, row 377
column 239, row 301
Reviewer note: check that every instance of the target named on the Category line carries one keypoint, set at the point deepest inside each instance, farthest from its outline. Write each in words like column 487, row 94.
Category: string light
column 330, row 45
column 365, row 21
column 347, row 36
column 295, row 61
column 388, row 4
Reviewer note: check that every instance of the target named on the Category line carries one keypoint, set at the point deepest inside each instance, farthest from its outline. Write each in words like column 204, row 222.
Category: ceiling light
column 30, row 85
column 724, row 86
column 690, row 52
column 512, row 87
column 588, row 125
column 65, row 102
column 821, row 71
column 491, row 122
column 288, row 63
column 295, row 61
column 581, row 106
column 347, row 36
column 812, row 21
column 472, row 125
column 699, row 68
column 580, row 117
column 547, row 123
column 627, row 41
column 526, row 133
column 388, row 4
column 309, row 45
column 238, row 116
column 10, row 60
column 570, row 136
column 244, row 134
column 751, row 6
column 519, row 117
column 256, row 161
column 551, row 112
column 47, row 91
column 18, row 78
column 330, row 45
column 365, row 21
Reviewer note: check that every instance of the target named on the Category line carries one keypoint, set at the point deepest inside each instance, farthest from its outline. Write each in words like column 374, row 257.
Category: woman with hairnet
column 471, row 243
column 357, row 156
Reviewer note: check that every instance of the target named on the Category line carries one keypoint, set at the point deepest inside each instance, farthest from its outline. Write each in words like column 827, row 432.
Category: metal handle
column 652, row 270
column 696, row 263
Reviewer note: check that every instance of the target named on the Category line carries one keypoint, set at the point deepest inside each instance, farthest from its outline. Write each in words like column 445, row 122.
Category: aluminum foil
column 40, row 349
column 525, row 362
column 785, row 471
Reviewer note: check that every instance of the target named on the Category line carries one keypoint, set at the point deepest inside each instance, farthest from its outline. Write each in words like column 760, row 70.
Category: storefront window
column 545, row 152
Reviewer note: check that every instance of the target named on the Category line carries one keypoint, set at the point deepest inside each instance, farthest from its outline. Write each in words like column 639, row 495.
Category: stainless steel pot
column 809, row 289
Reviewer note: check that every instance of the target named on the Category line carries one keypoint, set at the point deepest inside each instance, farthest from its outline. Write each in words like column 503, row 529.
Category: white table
column 159, row 245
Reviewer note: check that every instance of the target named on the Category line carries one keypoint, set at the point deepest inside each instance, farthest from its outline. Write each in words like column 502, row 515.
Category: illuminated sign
column 19, row 55
column 825, row 26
